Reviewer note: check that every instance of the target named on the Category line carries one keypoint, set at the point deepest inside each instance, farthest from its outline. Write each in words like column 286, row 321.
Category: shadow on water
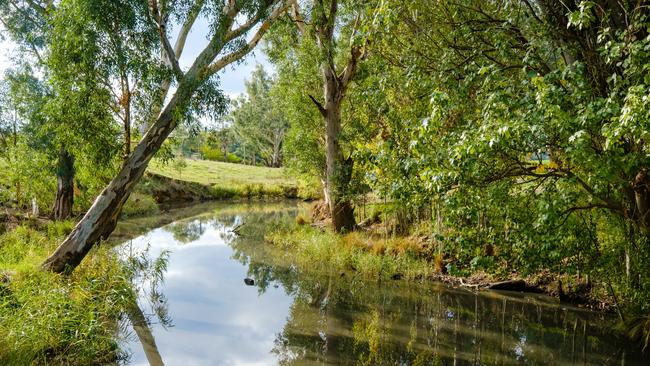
column 292, row 318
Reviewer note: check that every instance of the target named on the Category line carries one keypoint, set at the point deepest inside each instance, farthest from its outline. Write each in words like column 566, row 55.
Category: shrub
column 210, row 153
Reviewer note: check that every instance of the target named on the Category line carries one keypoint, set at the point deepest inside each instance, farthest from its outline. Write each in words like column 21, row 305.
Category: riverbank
column 47, row 318
column 202, row 181
column 218, row 180
column 373, row 253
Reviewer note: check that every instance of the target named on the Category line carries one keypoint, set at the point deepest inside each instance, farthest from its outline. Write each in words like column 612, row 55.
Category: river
column 229, row 299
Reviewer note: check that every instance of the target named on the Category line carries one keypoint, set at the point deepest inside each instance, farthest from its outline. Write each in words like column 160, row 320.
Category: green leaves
column 583, row 17
column 258, row 121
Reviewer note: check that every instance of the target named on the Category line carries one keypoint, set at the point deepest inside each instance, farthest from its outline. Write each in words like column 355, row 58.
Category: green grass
column 139, row 204
column 47, row 318
column 372, row 257
column 222, row 174
column 218, row 180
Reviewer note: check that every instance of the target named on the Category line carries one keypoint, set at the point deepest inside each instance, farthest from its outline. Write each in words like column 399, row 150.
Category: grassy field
column 222, row 174
column 210, row 180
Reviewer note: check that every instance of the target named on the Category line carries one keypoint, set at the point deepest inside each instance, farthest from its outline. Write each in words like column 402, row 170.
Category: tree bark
column 339, row 170
column 127, row 125
column 65, row 186
column 642, row 200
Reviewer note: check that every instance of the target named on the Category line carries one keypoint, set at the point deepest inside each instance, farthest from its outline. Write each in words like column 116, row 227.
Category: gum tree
column 91, row 61
column 329, row 40
column 230, row 22
column 257, row 122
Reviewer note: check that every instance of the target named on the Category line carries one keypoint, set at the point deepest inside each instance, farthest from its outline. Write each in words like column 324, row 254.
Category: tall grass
column 370, row 256
column 47, row 318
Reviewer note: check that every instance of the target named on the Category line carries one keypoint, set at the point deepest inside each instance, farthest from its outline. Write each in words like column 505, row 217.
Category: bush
column 232, row 158
column 210, row 153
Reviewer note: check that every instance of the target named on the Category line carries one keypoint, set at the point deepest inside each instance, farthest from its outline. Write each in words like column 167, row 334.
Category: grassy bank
column 369, row 255
column 203, row 180
column 46, row 318
column 227, row 180
column 219, row 173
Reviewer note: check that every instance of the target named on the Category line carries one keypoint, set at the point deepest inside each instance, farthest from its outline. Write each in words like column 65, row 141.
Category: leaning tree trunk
column 65, row 186
column 100, row 220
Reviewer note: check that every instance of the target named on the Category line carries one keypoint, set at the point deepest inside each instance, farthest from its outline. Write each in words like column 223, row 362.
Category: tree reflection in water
column 341, row 319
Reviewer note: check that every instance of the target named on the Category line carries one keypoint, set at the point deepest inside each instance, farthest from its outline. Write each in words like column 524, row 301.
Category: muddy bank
column 11, row 218
column 577, row 293
column 166, row 190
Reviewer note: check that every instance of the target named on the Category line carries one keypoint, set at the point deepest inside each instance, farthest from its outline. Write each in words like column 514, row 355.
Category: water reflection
column 142, row 329
column 292, row 318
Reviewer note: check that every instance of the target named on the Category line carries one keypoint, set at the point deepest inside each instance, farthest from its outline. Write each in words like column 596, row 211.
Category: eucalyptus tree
column 256, row 120
column 84, row 54
column 27, row 25
column 332, row 36
column 230, row 24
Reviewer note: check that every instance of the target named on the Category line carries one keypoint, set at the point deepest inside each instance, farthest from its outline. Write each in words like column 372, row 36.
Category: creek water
column 201, row 311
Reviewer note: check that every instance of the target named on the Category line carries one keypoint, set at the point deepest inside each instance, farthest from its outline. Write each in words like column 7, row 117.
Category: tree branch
column 187, row 26
column 296, row 16
column 244, row 50
column 320, row 107
column 168, row 51
column 356, row 53
column 587, row 207
column 242, row 29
